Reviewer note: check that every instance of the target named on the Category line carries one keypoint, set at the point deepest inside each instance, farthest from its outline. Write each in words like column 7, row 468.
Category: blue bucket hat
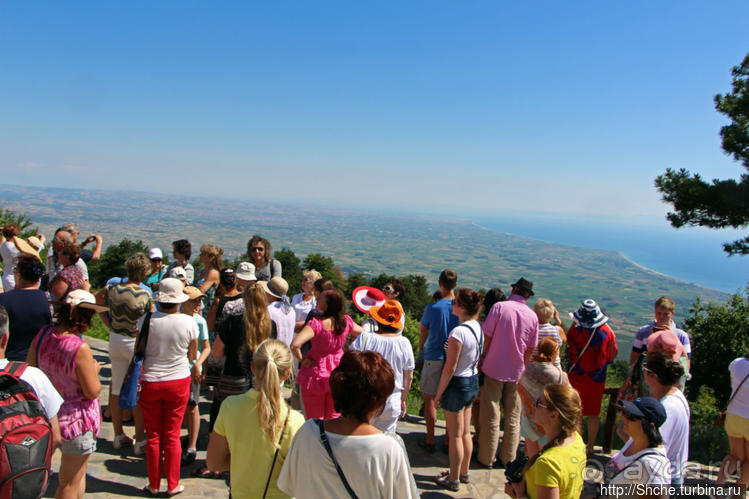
column 589, row 315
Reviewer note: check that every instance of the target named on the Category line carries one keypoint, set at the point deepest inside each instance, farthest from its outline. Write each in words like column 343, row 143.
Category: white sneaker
column 139, row 448
column 121, row 441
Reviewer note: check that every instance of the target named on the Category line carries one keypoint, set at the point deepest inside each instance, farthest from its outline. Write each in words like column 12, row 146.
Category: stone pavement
column 116, row 473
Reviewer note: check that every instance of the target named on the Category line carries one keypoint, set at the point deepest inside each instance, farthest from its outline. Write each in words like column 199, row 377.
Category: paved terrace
column 118, row 473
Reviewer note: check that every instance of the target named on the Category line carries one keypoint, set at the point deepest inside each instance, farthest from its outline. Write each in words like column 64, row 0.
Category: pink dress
column 56, row 357
column 327, row 350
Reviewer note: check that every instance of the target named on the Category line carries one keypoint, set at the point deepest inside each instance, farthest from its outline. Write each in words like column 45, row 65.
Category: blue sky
column 465, row 107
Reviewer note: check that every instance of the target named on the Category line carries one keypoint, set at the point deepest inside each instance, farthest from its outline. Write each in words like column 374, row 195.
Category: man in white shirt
column 42, row 386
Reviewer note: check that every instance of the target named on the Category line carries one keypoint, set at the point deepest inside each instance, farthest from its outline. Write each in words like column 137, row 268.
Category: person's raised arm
column 97, row 249
column 87, row 372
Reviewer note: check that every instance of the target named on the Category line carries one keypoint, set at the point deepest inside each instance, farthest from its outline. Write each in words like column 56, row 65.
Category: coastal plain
column 371, row 242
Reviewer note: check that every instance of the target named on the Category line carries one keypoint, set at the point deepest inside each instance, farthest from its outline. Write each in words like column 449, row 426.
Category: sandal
column 430, row 448
column 204, row 472
column 178, row 490
column 150, row 492
column 461, row 478
column 446, row 483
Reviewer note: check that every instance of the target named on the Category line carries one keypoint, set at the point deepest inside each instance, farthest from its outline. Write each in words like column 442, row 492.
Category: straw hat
column 25, row 248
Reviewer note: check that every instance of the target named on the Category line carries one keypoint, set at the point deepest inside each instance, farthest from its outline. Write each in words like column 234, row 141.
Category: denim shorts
column 460, row 393
column 81, row 445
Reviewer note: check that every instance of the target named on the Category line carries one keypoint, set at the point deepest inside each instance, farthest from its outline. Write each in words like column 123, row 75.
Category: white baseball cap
column 155, row 253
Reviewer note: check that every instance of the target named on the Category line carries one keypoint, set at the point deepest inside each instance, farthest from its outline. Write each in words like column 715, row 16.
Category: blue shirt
column 122, row 280
column 439, row 318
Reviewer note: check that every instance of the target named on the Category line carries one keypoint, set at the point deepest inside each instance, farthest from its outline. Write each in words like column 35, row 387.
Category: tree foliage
column 21, row 220
column 291, row 269
column 112, row 262
column 720, row 333
column 720, row 203
column 326, row 267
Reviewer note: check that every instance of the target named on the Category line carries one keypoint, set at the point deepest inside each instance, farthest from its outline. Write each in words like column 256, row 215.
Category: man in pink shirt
column 510, row 335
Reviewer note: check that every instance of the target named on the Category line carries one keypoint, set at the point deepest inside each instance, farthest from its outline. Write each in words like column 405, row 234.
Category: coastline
column 619, row 253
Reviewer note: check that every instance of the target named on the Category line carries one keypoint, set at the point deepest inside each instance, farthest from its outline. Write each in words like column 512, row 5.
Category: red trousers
column 163, row 405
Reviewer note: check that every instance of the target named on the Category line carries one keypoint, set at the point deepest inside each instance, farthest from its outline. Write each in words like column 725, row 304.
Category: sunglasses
column 257, row 248
column 155, row 260
column 388, row 288
column 539, row 403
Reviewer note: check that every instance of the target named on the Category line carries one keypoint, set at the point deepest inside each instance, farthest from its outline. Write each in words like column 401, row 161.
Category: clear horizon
column 425, row 107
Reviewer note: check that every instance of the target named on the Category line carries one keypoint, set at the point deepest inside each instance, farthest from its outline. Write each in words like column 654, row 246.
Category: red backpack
column 26, row 442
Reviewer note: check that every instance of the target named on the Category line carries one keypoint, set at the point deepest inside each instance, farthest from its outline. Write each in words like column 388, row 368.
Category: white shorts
column 120, row 354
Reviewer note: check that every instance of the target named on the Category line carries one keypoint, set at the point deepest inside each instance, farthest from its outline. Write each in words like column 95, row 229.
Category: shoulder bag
column 326, row 444
column 590, row 338
column 720, row 419
column 131, row 384
column 275, row 456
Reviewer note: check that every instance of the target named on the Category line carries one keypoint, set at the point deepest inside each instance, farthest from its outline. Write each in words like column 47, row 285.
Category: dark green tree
column 354, row 281
column 112, row 262
column 417, row 295
column 326, row 267
column 292, row 271
column 20, row 220
column 721, row 203
column 719, row 333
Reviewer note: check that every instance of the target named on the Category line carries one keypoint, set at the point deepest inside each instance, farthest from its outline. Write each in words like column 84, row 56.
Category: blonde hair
column 312, row 274
column 544, row 309
column 565, row 401
column 138, row 267
column 215, row 253
column 257, row 324
column 272, row 360
column 665, row 302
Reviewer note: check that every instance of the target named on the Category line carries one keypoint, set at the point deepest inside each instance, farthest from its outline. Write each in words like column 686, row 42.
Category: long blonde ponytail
column 257, row 323
column 272, row 360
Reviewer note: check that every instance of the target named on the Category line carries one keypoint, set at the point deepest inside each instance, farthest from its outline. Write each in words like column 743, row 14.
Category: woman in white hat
column 67, row 360
column 172, row 343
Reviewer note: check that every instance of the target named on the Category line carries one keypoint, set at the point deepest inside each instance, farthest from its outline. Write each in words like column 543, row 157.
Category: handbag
column 720, row 419
column 131, row 384
column 275, row 456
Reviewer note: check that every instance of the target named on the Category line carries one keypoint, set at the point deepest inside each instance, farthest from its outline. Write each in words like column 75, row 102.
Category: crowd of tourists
column 233, row 334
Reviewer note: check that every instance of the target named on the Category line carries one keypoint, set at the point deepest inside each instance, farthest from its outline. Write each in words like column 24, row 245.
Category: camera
column 514, row 469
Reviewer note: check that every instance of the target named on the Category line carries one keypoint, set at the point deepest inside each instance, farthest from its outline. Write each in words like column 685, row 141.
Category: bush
column 708, row 444
column 720, row 333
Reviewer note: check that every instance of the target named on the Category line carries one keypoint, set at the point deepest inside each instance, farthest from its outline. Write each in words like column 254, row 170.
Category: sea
column 690, row 254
